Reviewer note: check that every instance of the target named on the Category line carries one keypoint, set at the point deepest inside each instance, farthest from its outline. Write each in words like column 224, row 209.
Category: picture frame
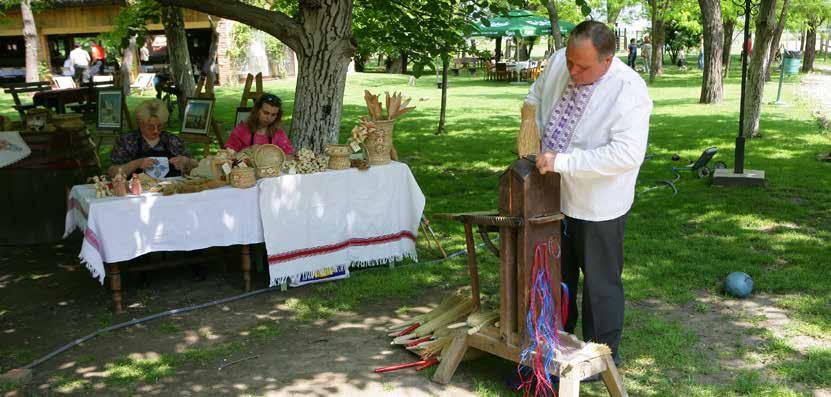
column 198, row 116
column 242, row 115
column 109, row 111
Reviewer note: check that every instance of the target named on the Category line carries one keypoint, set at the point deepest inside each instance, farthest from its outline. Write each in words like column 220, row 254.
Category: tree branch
column 275, row 23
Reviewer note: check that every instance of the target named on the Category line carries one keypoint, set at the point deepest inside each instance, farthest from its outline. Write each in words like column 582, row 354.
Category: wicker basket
column 268, row 160
column 379, row 142
column 338, row 156
column 69, row 122
column 242, row 178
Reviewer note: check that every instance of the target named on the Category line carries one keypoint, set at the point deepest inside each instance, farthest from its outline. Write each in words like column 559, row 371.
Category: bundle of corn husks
column 306, row 162
column 427, row 334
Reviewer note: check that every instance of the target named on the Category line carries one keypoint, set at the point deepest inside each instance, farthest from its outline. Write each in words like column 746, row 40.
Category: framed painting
column 109, row 110
column 242, row 115
column 198, row 116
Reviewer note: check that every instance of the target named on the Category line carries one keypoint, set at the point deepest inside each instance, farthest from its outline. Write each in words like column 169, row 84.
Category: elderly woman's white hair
column 152, row 108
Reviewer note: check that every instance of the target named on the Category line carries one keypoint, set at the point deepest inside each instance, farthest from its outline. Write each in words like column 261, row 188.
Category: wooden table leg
column 472, row 267
column 246, row 266
column 114, row 274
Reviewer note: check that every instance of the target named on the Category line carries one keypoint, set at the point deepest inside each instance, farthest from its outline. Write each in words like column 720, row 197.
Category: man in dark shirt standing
column 633, row 54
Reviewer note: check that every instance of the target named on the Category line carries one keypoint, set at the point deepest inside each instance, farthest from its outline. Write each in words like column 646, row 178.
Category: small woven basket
column 268, row 160
column 338, row 156
column 242, row 178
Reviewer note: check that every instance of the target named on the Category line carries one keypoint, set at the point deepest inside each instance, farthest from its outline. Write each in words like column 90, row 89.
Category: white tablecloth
column 336, row 219
column 122, row 228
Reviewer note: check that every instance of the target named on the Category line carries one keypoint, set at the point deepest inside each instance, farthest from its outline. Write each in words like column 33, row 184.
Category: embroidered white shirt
column 600, row 165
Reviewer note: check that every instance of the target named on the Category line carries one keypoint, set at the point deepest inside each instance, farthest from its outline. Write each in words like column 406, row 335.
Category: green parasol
column 521, row 23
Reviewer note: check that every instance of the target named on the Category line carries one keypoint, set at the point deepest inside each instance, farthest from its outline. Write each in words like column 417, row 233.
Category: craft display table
column 118, row 229
column 311, row 223
column 58, row 99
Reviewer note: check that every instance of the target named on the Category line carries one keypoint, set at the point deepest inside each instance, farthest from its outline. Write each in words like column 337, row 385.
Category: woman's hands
column 146, row 162
column 183, row 163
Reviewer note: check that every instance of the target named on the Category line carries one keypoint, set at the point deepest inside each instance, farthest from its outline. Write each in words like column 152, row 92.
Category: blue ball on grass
column 738, row 284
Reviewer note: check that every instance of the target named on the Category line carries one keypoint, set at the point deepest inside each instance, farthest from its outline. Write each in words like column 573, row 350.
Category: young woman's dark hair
column 254, row 118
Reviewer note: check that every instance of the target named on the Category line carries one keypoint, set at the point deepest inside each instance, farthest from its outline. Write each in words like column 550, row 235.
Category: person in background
column 682, row 59
column 646, row 54
column 633, row 54
column 97, row 51
column 144, row 57
column 80, row 63
column 701, row 52
column 262, row 126
column 68, row 69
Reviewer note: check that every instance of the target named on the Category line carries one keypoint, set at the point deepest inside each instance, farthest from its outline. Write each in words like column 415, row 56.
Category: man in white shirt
column 80, row 61
column 144, row 57
column 593, row 114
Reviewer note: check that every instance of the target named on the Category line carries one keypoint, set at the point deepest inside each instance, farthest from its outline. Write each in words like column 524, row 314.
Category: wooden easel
column 246, row 92
column 205, row 90
column 529, row 214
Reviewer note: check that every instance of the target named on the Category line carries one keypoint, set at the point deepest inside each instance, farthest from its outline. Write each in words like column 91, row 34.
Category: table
column 331, row 221
column 310, row 222
column 118, row 229
column 58, row 99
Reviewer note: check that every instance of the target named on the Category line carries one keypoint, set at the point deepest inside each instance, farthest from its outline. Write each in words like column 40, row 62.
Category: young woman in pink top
column 264, row 121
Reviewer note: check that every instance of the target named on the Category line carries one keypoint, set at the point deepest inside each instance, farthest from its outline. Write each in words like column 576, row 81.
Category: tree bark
column 755, row 86
column 777, row 36
column 30, row 36
column 729, row 27
column 497, row 53
column 657, row 11
column 323, row 41
column 554, row 18
column 178, row 54
column 445, row 64
column 811, row 44
column 212, row 50
column 712, row 90
column 127, row 62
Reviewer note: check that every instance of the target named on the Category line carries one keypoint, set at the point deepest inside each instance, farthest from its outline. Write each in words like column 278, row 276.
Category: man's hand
column 180, row 162
column 545, row 162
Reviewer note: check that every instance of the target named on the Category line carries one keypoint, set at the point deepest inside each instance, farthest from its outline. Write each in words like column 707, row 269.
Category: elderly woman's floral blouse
column 129, row 146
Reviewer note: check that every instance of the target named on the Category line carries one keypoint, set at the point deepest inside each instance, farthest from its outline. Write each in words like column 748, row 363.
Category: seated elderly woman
column 135, row 151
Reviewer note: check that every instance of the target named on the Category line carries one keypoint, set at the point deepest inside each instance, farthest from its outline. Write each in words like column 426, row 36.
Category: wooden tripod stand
column 205, row 90
column 529, row 213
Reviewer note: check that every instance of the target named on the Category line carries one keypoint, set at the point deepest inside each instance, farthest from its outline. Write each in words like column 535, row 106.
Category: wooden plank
column 246, row 267
column 612, row 379
column 451, row 356
column 569, row 386
column 507, row 286
column 495, row 346
column 472, row 268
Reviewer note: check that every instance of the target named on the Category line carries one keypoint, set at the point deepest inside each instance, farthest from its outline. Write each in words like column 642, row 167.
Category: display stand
column 529, row 215
column 111, row 135
column 246, row 92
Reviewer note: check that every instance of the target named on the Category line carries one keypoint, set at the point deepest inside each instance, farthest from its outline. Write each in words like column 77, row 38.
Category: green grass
column 676, row 247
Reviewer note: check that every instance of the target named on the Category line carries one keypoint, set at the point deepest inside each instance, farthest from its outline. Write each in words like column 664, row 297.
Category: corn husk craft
column 306, row 162
column 375, row 131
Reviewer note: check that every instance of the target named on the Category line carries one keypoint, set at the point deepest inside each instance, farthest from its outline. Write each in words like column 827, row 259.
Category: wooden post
column 246, row 267
column 114, row 274
column 451, row 356
column 472, row 268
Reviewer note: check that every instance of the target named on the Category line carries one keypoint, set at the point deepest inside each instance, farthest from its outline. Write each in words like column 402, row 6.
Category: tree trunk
column 497, row 53
column 360, row 62
column 777, row 36
column 755, row 86
column 657, row 9
column 445, row 64
column 322, row 38
column 554, row 18
column 712, row 90
column 522, row 50
column 395, row 65
column 212, row 50
column 729, row 28
column 802, row 34
column 810, row 45
column 30, row 36
column 128, row 61
column 178, row 54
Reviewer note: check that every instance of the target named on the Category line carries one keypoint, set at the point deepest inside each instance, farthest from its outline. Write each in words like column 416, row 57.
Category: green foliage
column 241, row 38
column 132, row 20
column 808, row 13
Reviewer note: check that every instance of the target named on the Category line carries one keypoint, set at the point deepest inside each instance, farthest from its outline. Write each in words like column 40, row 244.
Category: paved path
column 816, row 89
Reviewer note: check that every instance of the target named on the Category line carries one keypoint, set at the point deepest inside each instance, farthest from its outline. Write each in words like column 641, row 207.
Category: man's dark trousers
column 596, row 249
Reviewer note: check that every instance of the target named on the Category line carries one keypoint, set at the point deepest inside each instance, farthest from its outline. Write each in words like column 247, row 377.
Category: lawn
column 678, row 249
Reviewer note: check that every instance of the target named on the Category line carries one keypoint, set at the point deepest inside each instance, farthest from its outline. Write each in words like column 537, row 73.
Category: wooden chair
column 62, row 82
column 535, row 72
column 501, row 71
column 15, row 89
column 489, row 71
column 143, row 82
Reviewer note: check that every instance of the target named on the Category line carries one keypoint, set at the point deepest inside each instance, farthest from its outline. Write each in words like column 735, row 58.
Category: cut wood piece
column 451, row 357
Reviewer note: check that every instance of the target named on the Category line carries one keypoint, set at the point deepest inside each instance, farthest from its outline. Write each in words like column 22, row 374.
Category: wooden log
column 472, row 267
column 451, row 357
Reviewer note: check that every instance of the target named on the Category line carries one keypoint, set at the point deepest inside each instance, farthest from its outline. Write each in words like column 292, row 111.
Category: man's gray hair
column 600, row 35
column 152, row 108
